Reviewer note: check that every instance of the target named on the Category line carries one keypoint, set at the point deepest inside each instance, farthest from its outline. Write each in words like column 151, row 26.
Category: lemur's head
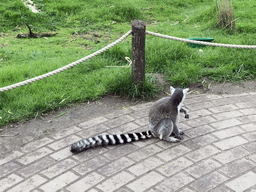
column 178, row 94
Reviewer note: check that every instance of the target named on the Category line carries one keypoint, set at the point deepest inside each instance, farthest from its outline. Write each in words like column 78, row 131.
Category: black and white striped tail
column 109, row 140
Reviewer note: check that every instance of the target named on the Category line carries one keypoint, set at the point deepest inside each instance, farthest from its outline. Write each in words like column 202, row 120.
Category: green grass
column 76, row 22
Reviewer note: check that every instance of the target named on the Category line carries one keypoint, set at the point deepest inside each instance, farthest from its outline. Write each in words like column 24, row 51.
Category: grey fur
column 164, row 116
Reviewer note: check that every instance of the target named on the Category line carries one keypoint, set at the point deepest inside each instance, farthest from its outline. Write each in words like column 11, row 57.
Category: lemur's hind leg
column 164, row 129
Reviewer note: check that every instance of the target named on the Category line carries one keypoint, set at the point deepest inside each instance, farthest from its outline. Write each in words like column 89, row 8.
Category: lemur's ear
column 172, row 90
column 185, row 90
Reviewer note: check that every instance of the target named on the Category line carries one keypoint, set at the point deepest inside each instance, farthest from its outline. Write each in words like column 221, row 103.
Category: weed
column 225, row 14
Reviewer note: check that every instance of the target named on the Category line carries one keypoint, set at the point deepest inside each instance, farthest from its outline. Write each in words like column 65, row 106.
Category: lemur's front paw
column 187, row 116
column 180, row 137
column 181, row 132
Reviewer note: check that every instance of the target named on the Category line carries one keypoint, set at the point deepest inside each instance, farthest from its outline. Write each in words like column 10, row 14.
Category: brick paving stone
column 93, row 122
column 250, row 136
column 228, row 115
column 202, row 153
column 144, row 152
column 58, row 168
column 86, row 182
column 90, row 153
column 8, row 168
column 243, row 182
column 194, row 99
column 9, row 181
column 115, row 166
column 235, row 168
column 119, row 121
column 35, row 155
column 145, row 182
column 253, row 189
column 230, row 132
column 223, row 101
column 213, row 97
column 126, row 128
column 64, row 142
column 248, row 119
column 36, row 144
column 13, row 155
column 199, row 113
column 186, row 190
column 223, row 108
column 173, row 152
column 93, row 190
column 231, row 155
column 248, row 111
column 253, row 157
column 36, row 166
column 65, row 132
column 118, row 113
column 116, row 182
column 59, row 182
column 142, row 121
column 120, row 151
column 201, row 141
column 141, row 113
column 203, row 167
column 222, row 188
column 226, row 123
column 142, row 106
column 174, row 166
column 246, row 104
column 93, row 131
column 90, row 165
column 175, row 183
column 164, row 144
column 199, row 131
column 147, row 142
column 153, row 190
column 230, row 142
column 201, row 121
column 29, row 184
column 249, row 127
column 62, row 154
column 183, row 126
column 145, row 166
column 208, row 182
column 199, row 105
column 251, row 147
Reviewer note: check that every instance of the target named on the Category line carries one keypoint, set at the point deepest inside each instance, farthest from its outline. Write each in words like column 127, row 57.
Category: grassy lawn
column 83, row 27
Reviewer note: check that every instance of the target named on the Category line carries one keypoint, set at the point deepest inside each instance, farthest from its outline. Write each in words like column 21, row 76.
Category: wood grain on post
column 138, row 51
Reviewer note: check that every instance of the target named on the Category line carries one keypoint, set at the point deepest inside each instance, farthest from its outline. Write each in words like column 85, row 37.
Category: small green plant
column 225, row 14
column 123, row 86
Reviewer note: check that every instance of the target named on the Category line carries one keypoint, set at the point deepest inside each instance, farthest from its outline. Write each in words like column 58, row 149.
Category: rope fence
column 115, row 43
column 201, row 42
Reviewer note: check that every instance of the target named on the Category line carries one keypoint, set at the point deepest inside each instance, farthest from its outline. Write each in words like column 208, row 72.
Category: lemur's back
column 161, row 109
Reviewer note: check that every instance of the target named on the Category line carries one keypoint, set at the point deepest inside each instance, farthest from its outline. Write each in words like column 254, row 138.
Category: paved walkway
column 218, row 153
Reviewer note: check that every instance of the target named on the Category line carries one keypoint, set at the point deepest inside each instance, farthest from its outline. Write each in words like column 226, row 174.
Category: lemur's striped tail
column 109, row 140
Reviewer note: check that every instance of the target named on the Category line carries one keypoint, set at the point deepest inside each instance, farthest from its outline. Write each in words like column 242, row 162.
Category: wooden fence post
column 138, row 51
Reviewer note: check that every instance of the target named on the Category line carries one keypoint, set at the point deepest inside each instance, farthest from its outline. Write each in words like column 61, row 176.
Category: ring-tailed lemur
column 163, row 120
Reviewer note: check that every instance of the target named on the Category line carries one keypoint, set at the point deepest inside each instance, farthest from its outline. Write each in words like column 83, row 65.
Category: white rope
column 115, row 43
column 67, row 66
column 201, row 42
